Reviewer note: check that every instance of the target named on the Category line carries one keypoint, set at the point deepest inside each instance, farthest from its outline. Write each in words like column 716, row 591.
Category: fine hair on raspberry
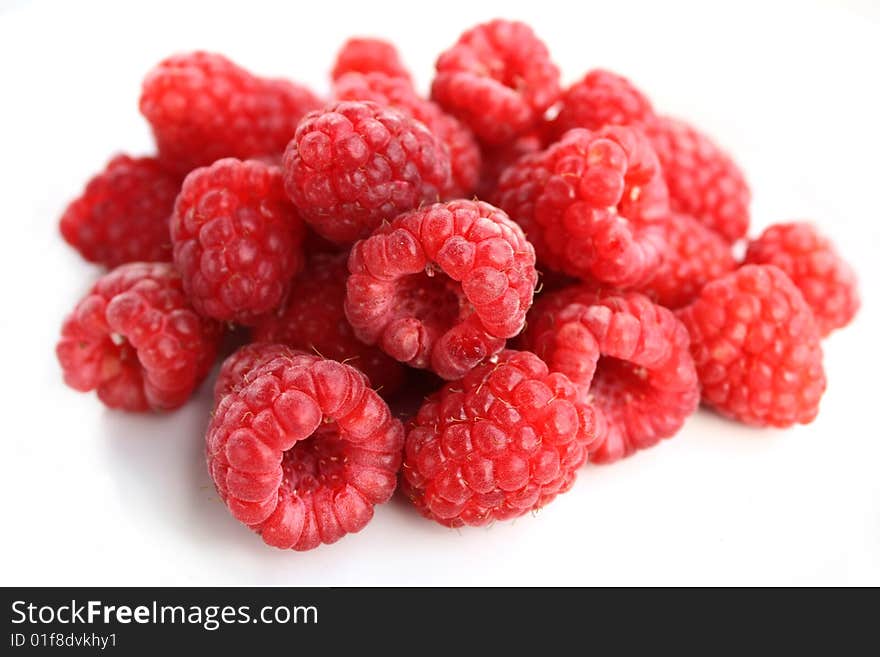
column 442, row 287
column 136, row 340
column 301, row 450
column 628, row 356
column 503, row 441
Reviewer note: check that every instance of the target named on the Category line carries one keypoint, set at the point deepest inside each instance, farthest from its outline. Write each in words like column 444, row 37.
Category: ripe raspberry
column 602, row 98
column 354, row 164
column 814, row 266
column 461, row 147
column 498, row 78
column 302, row 450
column 703, row 180
column 756, row 347
column 237, row 239
column 442, row 287
column 592, row 204
column 692, row 256
column 203, row 107
column 503, row 441
column 628, row 356
column 238, row 366
column 496, row 159
column 314, row 321
column 137, row 341
column 122, row 215
column 365, row 55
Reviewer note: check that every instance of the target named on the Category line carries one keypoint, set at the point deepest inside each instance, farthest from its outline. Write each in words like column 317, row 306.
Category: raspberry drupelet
column 692, row 255
column 627, row 355
column 137, row 341
column 313, row 320
column 703, row 180
column 498, row 79
column 601, row 98
column 592, row 204
column 442, row 287
column 757, row 348
column 503, row 441
column 355, row 164
column 122, row 214
column 814, row 266
column 368, row 55
column 301, row 449
column 237, row 239
column 461, row 146
column 203, row 107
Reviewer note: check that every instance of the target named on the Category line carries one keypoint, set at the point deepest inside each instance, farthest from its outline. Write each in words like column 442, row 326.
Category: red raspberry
column 692, row 256
column 756, row 347
column 462, row 148
column 237, row 239
column 314, row 321
column 602, row 98
column 122, row 215
column 814, row 266
column 496, row 159
column 498, row 78
column 137, row 341
column 203, row 107
column 237, row 367
column 354, row 164
column 503, row 441
column 365, row 55
column 442, row 286
column 591, row 204
column 703, row 180
column 628, row 355
column 302, row 450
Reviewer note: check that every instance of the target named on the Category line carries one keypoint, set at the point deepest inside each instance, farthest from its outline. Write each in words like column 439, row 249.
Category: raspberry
column 628, row 356
column 136, row 339
column 692, row 256
column 354, row 164
column 314, row 320
column 496, row 159
column 237, row 239
column 442, row 286
column 365, row 55
column 302, row 450
column 503, row 441
column 811, row 261
column 498, row 78
column 461, row 147
column 602, row 98
column 237, row 368
column 203, row 107
column 122, row 215
column 703, row 180
column 591, row 204
column 756, row 347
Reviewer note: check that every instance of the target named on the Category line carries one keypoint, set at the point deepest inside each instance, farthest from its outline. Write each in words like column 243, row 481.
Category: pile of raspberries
column 559, row 270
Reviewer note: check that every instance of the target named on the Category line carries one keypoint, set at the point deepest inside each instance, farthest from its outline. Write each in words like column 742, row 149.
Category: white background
column 96, row 497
